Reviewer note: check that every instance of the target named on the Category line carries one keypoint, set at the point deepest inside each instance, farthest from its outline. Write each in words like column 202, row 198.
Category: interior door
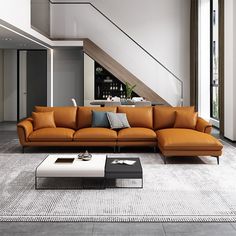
column 36, row 79
column 22, row 84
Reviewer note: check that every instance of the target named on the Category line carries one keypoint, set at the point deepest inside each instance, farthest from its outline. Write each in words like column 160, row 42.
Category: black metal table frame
column 69, row 188
column 139, row 187
column 104, row 183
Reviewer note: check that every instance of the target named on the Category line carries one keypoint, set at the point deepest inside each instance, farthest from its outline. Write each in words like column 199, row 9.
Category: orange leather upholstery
column 138, row 116
column 52, row 134
column 43, row 120
column 27, row 127
column 136, row 134
column 185, row 119
column 203, row 126
column 137, row 143
column 190, row 153
column 84, row 117
column 70, row 144
column 64, row 116
column 164, row 116
column 187, row 140
column 144, row 131
column 95, row 134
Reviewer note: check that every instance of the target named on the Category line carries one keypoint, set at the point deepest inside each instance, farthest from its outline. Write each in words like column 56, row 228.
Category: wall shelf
column 107, row 84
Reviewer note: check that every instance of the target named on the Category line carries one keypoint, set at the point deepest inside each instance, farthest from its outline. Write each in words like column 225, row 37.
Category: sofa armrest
column 24, row 129
column 203, row 126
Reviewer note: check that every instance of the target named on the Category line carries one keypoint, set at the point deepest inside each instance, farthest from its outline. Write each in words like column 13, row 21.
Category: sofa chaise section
column 182, row 141
column 185, row 142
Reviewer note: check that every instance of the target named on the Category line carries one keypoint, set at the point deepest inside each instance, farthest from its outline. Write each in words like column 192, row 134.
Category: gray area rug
column 186, row 189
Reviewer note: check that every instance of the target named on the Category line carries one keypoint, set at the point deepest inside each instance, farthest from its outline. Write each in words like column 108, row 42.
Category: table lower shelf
column 101, row 183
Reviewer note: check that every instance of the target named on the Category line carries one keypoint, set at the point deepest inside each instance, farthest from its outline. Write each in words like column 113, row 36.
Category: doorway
column 31, row 80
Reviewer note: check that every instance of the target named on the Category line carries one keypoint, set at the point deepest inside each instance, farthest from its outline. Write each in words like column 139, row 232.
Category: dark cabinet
column 107, row 84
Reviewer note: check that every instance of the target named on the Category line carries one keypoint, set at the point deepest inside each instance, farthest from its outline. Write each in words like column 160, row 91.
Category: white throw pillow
column 118, row 120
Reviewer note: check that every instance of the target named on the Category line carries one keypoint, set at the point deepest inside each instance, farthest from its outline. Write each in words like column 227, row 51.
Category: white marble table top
column 79, row 168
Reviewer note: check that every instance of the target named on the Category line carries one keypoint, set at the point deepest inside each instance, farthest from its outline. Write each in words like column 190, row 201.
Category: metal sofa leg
column 118, row 149
column 23, row 149
column 114, row 149
column 218, row 160
column 163, row 158
column 154, row 149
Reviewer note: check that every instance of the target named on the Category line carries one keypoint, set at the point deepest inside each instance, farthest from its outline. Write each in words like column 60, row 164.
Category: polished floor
column 8, row 132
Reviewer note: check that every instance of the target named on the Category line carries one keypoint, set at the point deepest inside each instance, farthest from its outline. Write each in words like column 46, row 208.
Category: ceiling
column 12, row 40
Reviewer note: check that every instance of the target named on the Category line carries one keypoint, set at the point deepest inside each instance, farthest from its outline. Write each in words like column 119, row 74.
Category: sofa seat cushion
column 136, row 134
column 95, row 134
column 52, row 134
column 187, row 140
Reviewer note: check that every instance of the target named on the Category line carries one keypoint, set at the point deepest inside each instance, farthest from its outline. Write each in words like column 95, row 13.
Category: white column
column 1, row 87
column 204, row 59
column 230, row 70
column 88, row 80
column 50, row 77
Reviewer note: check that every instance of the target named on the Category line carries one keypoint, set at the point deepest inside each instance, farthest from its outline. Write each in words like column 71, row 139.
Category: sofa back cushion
column 186, row 119
column 64, row 116
column 84, row 116
column 138, row 116
column 164, row 116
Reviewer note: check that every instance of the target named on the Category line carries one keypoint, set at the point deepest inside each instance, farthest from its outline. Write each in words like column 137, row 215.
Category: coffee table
column 95, row 168
column 99, row 167
column 123, row 171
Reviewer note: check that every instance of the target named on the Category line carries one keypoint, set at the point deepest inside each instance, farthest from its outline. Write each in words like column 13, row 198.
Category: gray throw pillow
column 118, row 120
column 99, row 119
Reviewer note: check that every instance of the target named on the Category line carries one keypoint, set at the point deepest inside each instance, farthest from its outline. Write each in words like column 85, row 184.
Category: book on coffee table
column 124, row 162
column 64, row 160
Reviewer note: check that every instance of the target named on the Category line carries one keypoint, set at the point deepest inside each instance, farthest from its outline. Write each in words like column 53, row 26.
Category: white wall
column 230, row 70
column 10, row 85
column 1, row 87
column 68, row 76
column 162, row 27
column 88, row 80
column 41, row 15
column 18, row 14
column 204, row 59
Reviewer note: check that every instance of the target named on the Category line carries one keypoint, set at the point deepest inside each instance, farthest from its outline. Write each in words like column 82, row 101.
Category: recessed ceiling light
column 6, row 39
column 23, row 44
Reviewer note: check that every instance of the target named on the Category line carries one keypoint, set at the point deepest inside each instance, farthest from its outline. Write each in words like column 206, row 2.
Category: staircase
column 120, row 72
column 116, row 51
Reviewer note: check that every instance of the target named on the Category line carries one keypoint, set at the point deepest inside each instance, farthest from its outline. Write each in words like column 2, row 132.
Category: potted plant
column 129, row 89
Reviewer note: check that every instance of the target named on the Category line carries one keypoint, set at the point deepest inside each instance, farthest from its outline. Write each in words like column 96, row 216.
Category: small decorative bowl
column 85, row 156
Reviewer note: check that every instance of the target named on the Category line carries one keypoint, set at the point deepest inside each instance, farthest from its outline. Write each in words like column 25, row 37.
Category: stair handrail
column 133, row 40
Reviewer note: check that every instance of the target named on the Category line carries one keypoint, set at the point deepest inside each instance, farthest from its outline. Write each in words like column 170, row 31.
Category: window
column 214, row 63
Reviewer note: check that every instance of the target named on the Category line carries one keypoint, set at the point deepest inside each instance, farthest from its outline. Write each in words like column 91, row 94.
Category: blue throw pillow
column 99, row 119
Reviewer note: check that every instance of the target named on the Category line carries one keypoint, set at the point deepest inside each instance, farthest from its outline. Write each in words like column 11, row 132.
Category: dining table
column 122, row 102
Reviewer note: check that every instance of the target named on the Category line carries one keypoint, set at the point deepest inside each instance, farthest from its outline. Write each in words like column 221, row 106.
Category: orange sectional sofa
column 150, row 126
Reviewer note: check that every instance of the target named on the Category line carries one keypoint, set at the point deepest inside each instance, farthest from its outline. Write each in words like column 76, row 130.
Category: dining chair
column 74, row 102
column 142, row 104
